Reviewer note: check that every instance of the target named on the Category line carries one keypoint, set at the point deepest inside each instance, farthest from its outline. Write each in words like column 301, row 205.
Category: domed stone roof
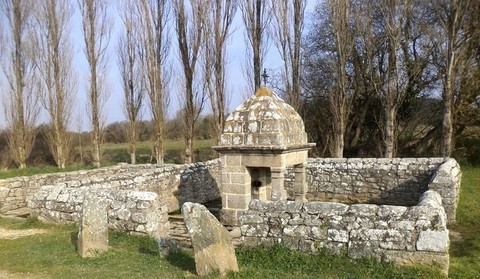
column 264, row 121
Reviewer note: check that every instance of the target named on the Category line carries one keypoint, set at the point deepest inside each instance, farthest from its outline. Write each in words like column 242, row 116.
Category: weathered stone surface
column 130, row 211
column 174, row 184
column 325, row 209
column 434, row 241
column 404, row 258
column 430, row 198
column 166, row 246
column 93, row 234
column 364, row 230
column 263, row 120
column 211, row 242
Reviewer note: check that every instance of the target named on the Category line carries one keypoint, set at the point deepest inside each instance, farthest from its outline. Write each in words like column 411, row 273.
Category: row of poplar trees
column 349, row 58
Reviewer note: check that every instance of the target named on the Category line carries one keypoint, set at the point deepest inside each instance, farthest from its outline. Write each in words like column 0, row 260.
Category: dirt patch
column 13, row 234
column 7, row 275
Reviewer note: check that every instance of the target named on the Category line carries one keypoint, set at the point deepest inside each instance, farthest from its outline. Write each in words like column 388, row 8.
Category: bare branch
column 190, row 30
column 97, row 28
column 54, row 67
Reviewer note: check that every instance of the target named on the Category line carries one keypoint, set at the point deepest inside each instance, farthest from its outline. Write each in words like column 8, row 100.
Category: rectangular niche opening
column 260, row 182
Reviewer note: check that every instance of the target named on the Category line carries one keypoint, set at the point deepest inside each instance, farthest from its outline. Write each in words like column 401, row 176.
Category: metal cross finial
column 265, row 76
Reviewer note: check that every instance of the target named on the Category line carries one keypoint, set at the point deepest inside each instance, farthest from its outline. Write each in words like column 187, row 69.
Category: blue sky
column 113, row 110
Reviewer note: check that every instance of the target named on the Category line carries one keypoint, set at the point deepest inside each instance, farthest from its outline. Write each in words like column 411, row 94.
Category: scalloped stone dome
column 264, row 120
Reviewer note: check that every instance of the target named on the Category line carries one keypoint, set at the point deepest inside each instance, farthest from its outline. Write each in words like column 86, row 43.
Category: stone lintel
column 259, row 149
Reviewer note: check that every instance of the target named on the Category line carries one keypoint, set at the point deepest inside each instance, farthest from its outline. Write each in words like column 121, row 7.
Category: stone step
column 179, row 231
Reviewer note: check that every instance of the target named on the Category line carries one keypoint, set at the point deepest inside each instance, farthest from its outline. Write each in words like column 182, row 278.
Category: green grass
column 280, row 262
column 40, row 170
column 465, row 252
column 173, row 151
column 53, row 256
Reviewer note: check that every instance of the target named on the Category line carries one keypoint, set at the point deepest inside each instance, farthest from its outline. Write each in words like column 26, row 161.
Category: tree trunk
column 390, row 138
column 188, row 150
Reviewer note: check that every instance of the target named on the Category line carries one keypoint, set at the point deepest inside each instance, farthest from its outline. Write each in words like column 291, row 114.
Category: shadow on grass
column 74, row 239
column 145, row 249
column 182, row 259
column 465, row 247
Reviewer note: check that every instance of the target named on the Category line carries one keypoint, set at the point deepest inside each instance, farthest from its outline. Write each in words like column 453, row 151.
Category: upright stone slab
column 93, row 234
column 212, row 244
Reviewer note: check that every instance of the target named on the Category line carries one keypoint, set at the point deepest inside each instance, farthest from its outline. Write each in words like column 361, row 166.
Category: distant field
column 116, row 153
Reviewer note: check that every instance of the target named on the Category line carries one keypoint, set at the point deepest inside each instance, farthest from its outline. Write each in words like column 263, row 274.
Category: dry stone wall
column 415, row 234
column 356, row 180
column 174, row 184
column 129, row 211
column 398, row 181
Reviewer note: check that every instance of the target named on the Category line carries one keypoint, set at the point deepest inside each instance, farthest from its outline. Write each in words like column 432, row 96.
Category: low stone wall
column 129, row 211
column 174, row 184
column 398, row 181
column 446, row 181
column 406, row 235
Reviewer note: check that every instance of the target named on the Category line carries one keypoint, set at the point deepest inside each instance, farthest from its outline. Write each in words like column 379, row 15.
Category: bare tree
column 367, row 71
column 217, row 29
column 393, row 15
column 451, row 16
column 154, row 48
column 96, row 27
column 190, row 30
column 255, row 19
column 54, row 66
column 131, row 73
column 79, row 125
column 340, row 99
column 287, row 32
column 21, row 106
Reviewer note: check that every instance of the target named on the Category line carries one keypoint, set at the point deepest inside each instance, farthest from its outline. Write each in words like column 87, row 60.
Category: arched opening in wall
column 260, row 182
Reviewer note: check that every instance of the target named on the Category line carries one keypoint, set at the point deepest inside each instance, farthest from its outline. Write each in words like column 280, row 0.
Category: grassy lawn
column 116, row 153
column 39, row 170
column 465, row 252
column 53, row 255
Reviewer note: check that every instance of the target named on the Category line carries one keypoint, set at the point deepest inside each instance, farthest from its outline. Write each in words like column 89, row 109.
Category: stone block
column 259, row 205
column 363, row 249
column 434, row 241
column 166, row 246
column 404, row 258
column 337, row 235
column 238, row 178
column 363, row 210
column 230, row 217
column 233, row 160
column 254, row 230
column 4, row 192
column 249, row 217
column 212, row 244
column 238, row 201
column 235, row 188
column 93, row 231
column 430, row 198
column 325, row 209
column 367, row 235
